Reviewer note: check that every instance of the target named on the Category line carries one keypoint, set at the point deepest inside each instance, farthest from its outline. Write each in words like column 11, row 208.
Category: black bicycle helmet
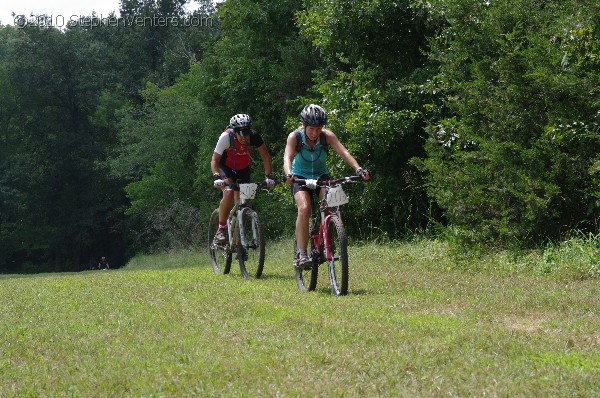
column 240, row 121
column 313, row 115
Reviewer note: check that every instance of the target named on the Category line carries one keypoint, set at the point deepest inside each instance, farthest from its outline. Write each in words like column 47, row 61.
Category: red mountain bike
column 328, row 241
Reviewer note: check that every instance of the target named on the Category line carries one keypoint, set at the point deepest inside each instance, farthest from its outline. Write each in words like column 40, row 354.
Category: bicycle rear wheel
column 251, row 252
column 220, row 255
column 338, row 259
column 306, row 279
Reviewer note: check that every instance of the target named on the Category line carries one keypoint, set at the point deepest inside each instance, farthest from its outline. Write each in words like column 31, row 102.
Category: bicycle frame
column 239, row 225
column 325, row 212
column 321, row 237
column 236, row 214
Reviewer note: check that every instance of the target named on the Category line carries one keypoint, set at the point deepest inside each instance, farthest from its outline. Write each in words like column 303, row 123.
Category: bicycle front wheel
column 220, row 255
column 251, row 249
column 337, row 259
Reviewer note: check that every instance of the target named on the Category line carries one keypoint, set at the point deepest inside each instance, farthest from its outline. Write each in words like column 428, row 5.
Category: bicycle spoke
column 220, row 255
column 338, row 262
column 306, row 279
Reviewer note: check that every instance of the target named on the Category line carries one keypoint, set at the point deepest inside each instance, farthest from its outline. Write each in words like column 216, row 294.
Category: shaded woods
column 478, row 120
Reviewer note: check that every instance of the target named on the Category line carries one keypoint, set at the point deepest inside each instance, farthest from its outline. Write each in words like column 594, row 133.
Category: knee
column 303, row 211
column 227, row 196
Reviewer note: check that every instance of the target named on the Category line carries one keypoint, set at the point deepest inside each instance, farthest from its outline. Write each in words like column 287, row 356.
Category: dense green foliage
column 56, row 202
column 371, row 86
column 514, row 156
column 481, row 116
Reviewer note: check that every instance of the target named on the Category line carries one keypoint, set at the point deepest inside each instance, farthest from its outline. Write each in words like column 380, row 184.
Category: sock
column 222, row 226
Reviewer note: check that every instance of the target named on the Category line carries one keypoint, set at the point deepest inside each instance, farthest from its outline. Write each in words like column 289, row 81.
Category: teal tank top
column 310, row 163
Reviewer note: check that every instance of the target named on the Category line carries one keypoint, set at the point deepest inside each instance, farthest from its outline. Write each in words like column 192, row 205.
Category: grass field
column 416, row 322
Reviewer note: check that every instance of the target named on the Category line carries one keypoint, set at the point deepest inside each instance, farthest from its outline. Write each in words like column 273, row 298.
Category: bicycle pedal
column 305, row 267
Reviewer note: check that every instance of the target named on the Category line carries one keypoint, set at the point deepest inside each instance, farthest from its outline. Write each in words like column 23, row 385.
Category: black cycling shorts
column 297, row 188
column 240, row 176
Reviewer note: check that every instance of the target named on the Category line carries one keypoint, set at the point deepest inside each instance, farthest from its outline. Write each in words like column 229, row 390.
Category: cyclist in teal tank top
column 307, row 159
column 310, row 162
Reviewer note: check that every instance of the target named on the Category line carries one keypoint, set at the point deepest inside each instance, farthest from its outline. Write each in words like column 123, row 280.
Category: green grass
column 416, row 322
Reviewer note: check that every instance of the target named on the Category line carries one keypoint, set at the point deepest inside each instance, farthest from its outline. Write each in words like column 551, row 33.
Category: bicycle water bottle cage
column 311, row 184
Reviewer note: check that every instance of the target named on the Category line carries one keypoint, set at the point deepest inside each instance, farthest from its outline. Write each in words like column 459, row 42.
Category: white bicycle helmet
column 240, row 121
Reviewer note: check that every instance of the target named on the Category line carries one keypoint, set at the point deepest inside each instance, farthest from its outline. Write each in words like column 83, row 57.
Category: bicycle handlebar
column 236, row 185
column 324, row 183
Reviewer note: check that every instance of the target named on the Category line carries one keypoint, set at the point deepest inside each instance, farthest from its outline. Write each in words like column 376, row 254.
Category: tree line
column 476, row 118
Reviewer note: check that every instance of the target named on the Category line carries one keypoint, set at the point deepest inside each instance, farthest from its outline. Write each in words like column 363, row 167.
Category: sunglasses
column 243, row 132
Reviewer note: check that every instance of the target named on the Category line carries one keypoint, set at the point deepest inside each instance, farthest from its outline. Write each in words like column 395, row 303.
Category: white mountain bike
column 245, row 236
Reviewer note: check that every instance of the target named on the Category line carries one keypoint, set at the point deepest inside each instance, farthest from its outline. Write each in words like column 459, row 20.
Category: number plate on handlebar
column 336, row 196
column 248, row 191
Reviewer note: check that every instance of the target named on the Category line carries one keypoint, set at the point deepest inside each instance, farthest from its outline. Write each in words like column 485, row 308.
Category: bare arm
column 288, row 155
column 214, row 163
column 337, row 146
column 266, row 158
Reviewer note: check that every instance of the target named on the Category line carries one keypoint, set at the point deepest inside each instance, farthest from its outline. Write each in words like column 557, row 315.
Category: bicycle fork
column 240, row 222
column 242, row 241
column 232, row 224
